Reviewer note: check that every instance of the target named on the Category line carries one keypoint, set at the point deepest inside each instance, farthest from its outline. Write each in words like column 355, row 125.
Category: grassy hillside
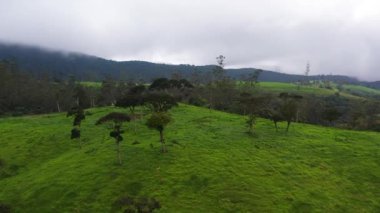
column 361, row 90
column 212, row 166
column 278, row 87
column 91, row 84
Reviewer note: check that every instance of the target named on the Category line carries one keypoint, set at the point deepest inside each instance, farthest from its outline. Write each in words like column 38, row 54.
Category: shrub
column 5, row 208
column 142, row 204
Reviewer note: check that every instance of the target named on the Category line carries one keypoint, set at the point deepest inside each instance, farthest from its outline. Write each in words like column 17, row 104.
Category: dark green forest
column 330, row 105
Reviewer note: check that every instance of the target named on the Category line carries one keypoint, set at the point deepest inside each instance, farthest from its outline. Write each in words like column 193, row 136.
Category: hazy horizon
column 53, row 50
column 337, row 37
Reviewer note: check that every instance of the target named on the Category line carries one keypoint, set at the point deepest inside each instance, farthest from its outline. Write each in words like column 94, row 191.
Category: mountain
column 57, row 64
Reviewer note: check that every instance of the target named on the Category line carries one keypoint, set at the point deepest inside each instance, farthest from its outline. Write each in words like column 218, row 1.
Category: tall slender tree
column 158, row 121
column 79, row 116
column 219, row 72
column 118, row 119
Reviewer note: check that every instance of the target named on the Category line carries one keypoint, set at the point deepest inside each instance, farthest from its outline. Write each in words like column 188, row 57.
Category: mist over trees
column 39, row 62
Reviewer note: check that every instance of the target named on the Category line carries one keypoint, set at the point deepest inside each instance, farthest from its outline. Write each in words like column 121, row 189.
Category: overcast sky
column 336, row 36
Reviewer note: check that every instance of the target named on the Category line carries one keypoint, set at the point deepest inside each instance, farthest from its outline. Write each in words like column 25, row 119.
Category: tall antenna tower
column 307, row 71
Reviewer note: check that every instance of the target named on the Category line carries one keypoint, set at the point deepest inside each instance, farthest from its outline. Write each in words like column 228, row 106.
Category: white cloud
column 336, row 36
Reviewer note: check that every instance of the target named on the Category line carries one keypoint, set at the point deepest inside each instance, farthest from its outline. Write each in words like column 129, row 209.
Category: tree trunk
column 287, row 128
column 162, row 140
column 91, row 102
column 118, row 152
column 58, row 107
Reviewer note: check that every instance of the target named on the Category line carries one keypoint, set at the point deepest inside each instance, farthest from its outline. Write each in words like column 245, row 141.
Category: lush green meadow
column 361, row 89
column 212, row 165
column 278, row 87
column 91, row 84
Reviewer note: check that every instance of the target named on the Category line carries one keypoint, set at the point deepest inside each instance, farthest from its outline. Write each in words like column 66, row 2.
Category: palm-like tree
column 118, row 119
column 158, row 121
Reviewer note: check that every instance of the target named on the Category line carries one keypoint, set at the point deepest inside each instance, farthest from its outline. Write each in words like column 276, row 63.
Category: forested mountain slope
column 90, row 68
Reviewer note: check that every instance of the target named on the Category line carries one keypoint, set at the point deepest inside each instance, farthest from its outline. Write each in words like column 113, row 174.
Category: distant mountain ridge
column 60, row 65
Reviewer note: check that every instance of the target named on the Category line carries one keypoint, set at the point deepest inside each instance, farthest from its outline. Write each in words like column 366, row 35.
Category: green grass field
column 91, row 84
column 212, row 165
column 361, row 89
column 278, row 87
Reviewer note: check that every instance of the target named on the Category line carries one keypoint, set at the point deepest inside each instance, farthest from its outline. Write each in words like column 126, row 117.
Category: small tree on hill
column 274, row 115
column 218, row 71
column 160, row 102
column 288, row 112
column 131, row 101
column 283, row 108
column 289, row 107
column 118, row 119
column 252, row 106
column 78, row 114
column 158, row 121
column 251, row 121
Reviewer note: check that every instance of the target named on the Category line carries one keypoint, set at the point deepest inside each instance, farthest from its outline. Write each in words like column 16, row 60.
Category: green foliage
column 251, row 121
column 116, row 117
column 158, row 121
column 164, row 83
column 160, row 101
column 78, row 114
column 130, row 101
column 75, row 133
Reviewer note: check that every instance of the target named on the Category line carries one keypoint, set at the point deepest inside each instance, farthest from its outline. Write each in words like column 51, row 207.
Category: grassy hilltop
column 212, row 165
column 348, row 91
